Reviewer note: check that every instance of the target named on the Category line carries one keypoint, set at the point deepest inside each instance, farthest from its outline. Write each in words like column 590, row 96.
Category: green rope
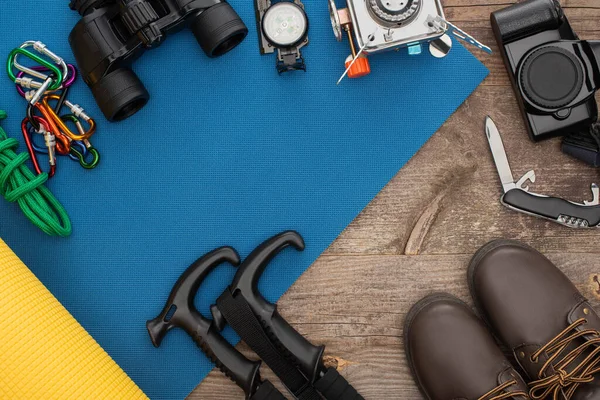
column 19, row 184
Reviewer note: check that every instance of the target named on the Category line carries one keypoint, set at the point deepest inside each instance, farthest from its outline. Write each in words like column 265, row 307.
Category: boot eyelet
column 533, row 360
column 586, row 311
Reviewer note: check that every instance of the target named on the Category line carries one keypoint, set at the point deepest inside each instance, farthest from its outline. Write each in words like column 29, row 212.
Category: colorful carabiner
column 59, row 139
column 63, row 143
column 44, row 51
column 80, row 146
column 32, row 153
column 75, row 110
column 56, row 83
column 83, row 162
column 89, row 149
column 69, row 80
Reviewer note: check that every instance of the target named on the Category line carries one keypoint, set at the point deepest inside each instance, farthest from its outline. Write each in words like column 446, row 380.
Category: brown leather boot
column 453, row 357
column 540, row 315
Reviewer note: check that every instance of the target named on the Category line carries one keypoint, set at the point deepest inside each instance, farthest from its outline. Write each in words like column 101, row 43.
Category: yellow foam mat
column 44, row 352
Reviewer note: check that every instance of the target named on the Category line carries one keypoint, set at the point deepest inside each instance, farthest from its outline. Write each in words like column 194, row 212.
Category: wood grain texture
column 417, row 236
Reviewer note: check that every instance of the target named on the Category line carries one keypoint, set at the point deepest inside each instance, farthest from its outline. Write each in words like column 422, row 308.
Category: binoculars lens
column 120, row 94
column 218, row 29
column 112, row 34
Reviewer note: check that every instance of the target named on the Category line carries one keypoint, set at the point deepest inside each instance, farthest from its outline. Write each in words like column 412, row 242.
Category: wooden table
column 418, row 234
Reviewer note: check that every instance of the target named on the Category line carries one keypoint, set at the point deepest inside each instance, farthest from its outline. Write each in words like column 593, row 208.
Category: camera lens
column 219, row 29
column 120, row 94
column 552, row 77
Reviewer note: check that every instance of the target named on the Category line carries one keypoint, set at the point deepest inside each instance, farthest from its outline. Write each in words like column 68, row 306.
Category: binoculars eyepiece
column 112, row 34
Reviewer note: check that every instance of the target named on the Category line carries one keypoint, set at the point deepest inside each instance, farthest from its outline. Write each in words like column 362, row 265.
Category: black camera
column 113, row 33
column 555, row 75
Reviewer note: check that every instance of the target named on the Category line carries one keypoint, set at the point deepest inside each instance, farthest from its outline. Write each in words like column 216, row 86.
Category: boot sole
column 412, row 314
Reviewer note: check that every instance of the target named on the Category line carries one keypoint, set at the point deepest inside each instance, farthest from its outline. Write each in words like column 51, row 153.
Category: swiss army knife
column 518, row 197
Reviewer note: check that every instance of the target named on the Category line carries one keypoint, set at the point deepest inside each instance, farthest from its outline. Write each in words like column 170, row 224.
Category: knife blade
column 517, row 198
column 499, row 154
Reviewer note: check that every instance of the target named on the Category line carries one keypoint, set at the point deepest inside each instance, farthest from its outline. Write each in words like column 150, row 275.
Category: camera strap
column 526, row 18
column 584, row 146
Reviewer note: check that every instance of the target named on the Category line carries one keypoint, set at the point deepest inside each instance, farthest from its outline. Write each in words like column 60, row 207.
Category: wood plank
column 566, row 4
column 456, row 164
column 344, row 303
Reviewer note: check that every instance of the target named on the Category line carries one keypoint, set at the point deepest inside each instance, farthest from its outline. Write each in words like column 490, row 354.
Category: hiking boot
column 453, row 356
column 540, row 315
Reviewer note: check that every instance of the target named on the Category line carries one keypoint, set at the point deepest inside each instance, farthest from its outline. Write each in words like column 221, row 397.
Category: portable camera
column 374, row 26
column 555, row 75
column 112, row 34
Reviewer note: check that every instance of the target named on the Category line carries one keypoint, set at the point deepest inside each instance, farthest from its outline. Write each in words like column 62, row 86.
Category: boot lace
column 562, row 381
column 500, row 393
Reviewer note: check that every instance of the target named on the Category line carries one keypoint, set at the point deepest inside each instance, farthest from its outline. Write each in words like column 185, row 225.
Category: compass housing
column 284, row 24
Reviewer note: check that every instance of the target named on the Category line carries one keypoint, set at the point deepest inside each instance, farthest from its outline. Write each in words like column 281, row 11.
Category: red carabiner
column 32, row 153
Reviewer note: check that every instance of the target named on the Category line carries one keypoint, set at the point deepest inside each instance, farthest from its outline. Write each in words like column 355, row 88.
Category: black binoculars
column 113, row 33
column 555, row 75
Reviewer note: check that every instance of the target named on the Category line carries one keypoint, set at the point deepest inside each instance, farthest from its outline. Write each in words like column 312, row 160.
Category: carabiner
column 87, row 146
column 83, row 145
column 28, row 83
column 12, row 63
column 50, row 143
column 80, row 147
column 37, row 94
column 78, row 113
column 87, row 165
column 63, row 143
column 43, row 150
column 42, row 49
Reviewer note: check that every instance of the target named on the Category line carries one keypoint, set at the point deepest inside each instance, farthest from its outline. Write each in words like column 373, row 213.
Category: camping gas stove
column 374, row 26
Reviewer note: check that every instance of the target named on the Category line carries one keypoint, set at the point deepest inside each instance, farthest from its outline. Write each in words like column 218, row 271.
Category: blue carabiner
column 80, row 146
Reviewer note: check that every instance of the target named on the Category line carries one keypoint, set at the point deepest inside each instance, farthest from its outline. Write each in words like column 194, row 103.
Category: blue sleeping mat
column 226, row 153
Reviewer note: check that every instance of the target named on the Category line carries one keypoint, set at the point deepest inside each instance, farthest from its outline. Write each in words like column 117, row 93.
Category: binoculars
column 112, row 34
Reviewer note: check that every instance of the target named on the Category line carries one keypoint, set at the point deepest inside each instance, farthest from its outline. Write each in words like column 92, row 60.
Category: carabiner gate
column 77, row 111
column 87, row 146
column 23, row 83
column 56, row 71
column 50, row 142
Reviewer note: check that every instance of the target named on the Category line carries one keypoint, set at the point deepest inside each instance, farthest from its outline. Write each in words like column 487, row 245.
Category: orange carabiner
column 63, row 143
column 61, row 124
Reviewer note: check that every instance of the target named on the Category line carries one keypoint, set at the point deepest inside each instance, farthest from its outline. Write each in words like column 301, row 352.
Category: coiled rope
column 19, row 184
